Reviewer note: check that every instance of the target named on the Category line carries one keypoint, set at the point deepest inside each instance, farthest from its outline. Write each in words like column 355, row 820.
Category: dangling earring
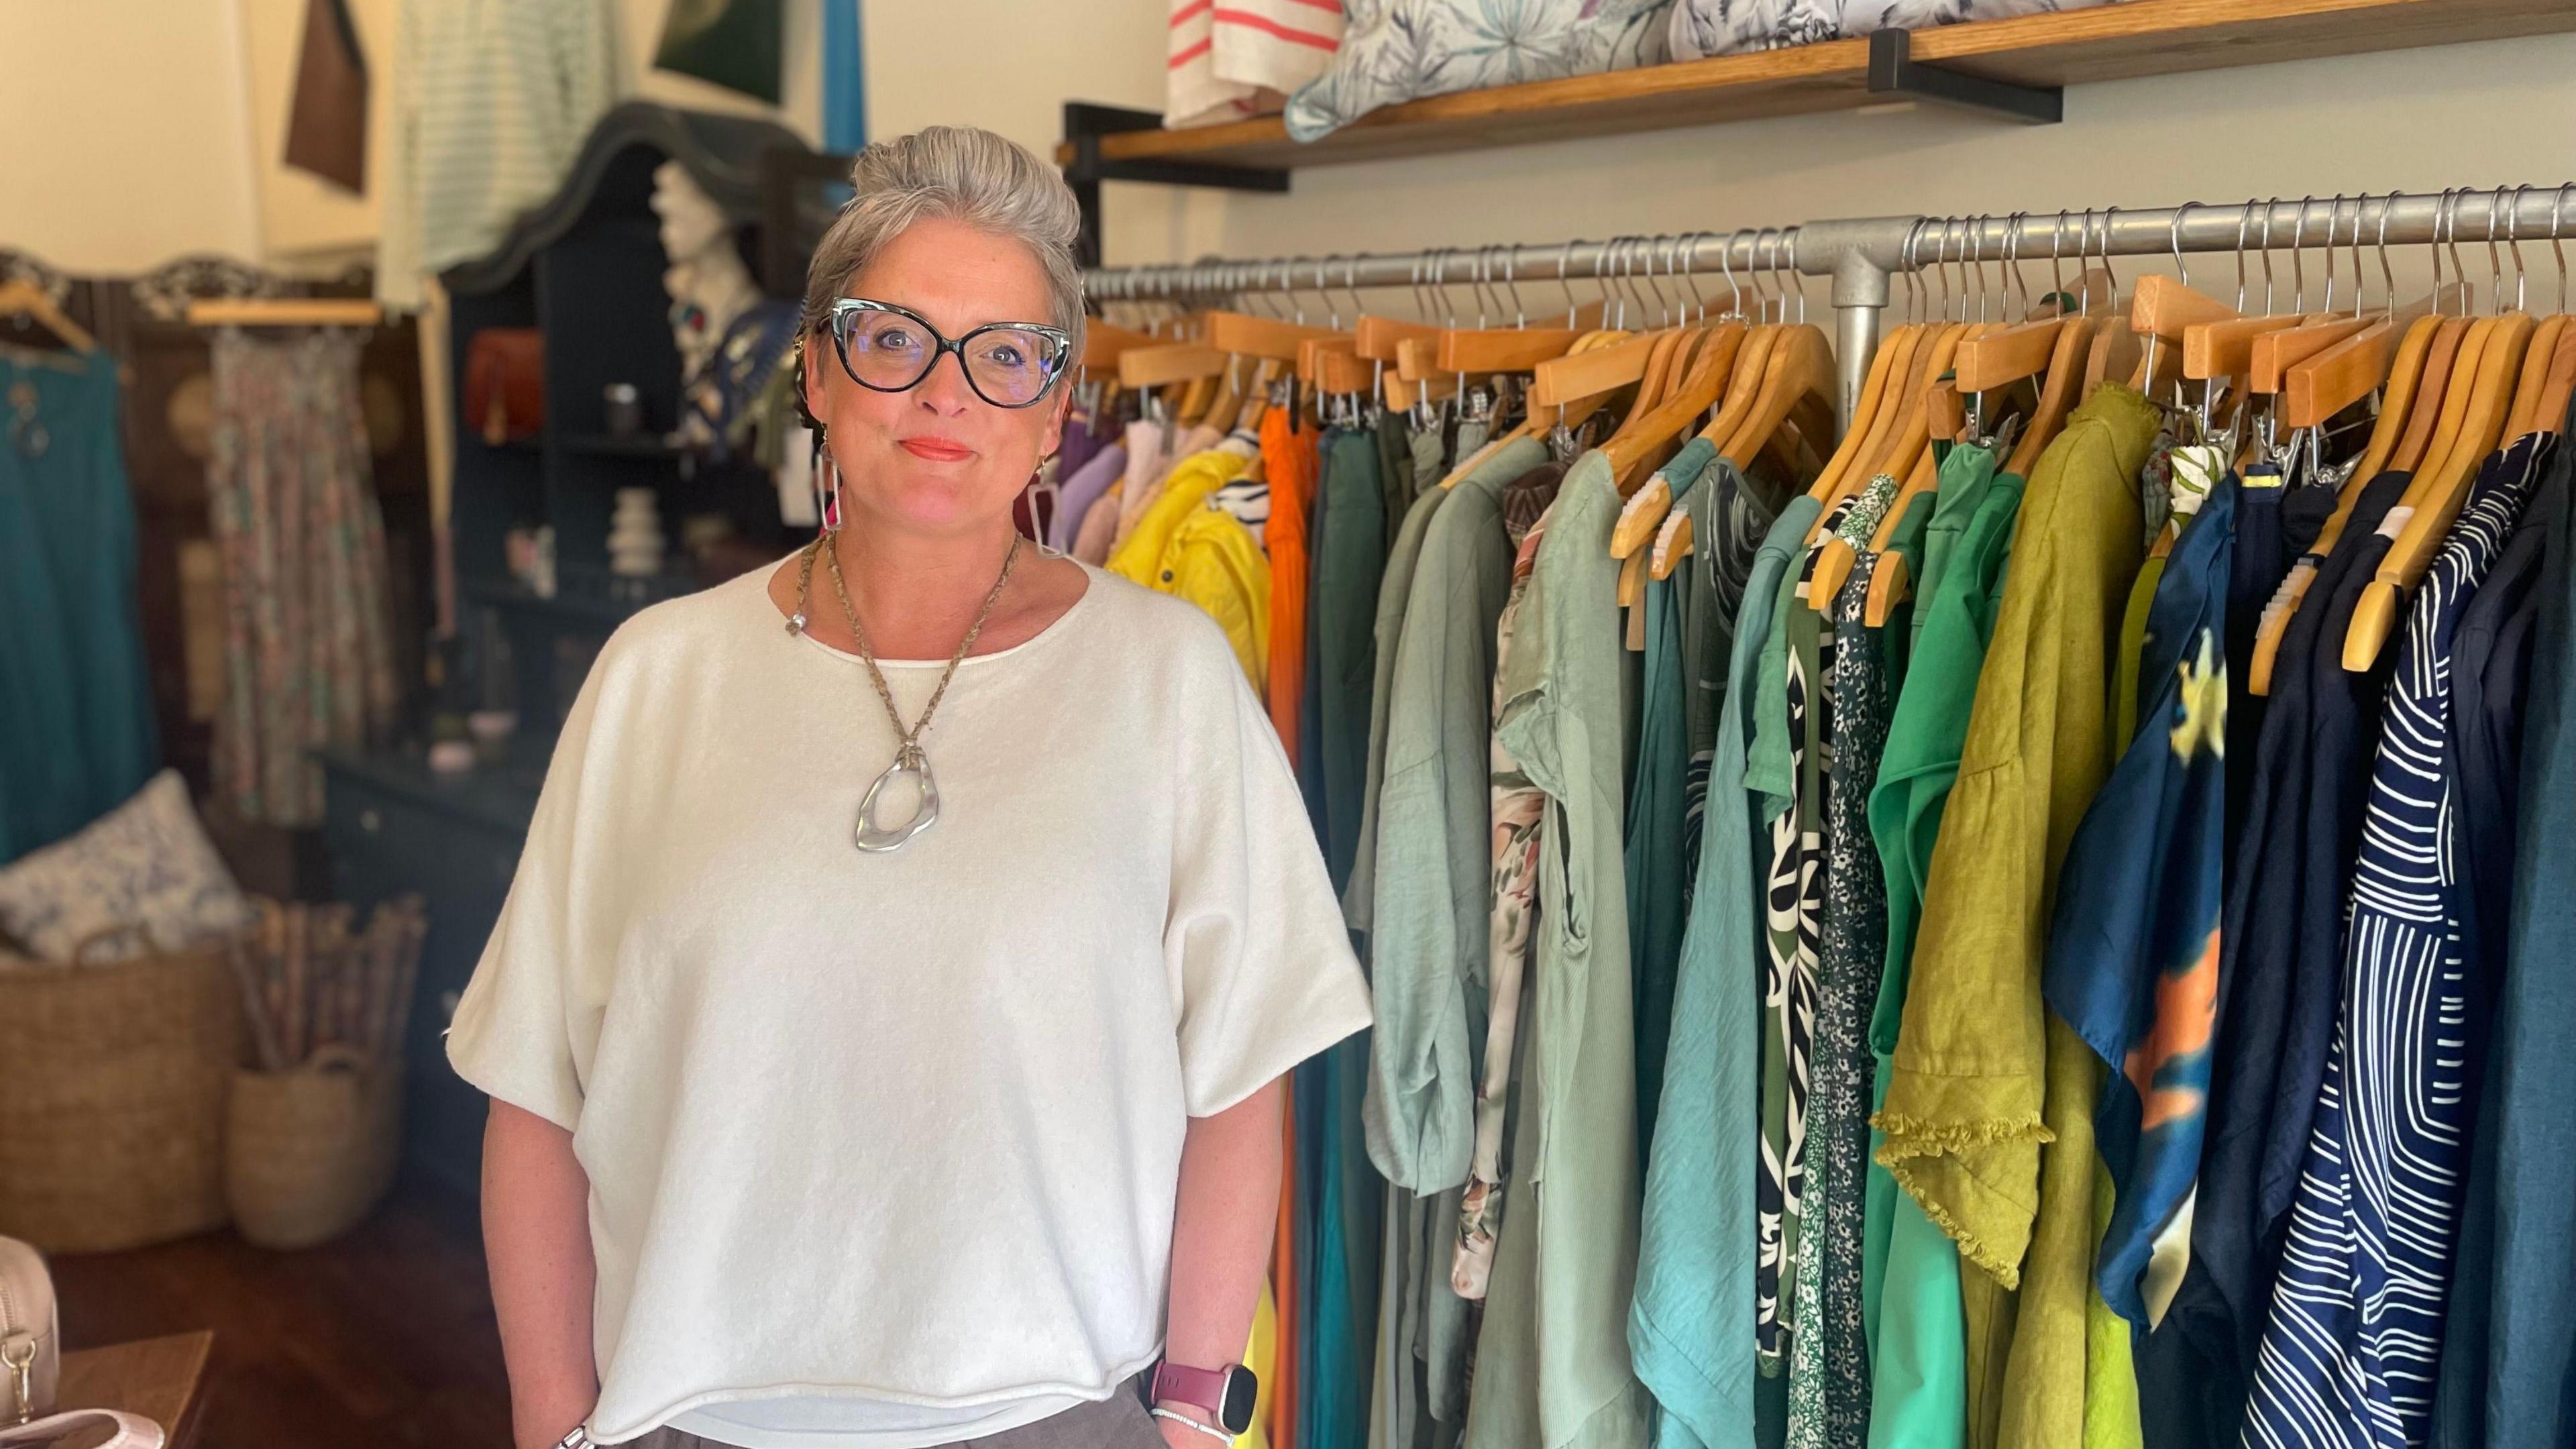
column 827, row 485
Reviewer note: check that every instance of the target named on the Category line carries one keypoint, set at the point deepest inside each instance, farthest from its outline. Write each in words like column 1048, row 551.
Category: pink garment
column 1099, row 531
column 1147, row 462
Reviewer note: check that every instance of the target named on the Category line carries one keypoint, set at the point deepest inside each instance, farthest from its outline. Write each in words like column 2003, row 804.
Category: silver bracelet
column 1159, row 1412
column 579, row 1438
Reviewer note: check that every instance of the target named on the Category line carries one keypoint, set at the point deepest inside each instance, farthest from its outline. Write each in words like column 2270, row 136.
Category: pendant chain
column 908, row 741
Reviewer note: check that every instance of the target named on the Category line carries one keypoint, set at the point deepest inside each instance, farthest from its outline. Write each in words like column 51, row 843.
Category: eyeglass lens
column 1007, row 366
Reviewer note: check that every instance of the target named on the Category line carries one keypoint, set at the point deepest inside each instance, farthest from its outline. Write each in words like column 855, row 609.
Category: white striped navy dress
column 2355, row 1336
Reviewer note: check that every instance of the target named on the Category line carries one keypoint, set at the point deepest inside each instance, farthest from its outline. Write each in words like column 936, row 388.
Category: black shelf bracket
column 1893, row 71
column 1084, row 125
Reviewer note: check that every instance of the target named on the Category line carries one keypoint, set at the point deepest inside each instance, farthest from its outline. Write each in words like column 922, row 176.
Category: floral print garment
column 1796, row 901
column 1829, row 1372
column 308, row 656
column 1401, row 50
column 1702, row 28
column 1518, row 807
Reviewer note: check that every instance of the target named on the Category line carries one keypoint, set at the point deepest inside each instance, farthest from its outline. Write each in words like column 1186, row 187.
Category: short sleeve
column 525, row 1026
column 1254, row 940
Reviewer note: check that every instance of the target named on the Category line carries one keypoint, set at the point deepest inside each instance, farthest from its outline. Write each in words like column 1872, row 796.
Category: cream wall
column 124, row 132
column 180, row 107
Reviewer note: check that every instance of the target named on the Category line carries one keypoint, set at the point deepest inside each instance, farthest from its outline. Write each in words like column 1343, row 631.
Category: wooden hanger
column 1536, row 424
column 284, row 312
column 1378, row 337
column 1725, row 366
column 2433, row 393
column 2550, row 416
column 21, row 298
column 2058, row 395
column 1103, row 343
column 1245, row 335
column 2438, row 495
column 1168, row 362
column 1908, row 438
column 1503, row 349
column 2313, row 391
column 2275, row 353
column 2530, row 412
column 1876, row 412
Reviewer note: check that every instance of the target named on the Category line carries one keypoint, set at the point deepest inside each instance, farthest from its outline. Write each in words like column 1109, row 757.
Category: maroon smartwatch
column 1226, row 1393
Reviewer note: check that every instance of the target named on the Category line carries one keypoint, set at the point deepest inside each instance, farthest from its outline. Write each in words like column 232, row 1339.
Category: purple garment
column 1080, row 490
column 1080, row 441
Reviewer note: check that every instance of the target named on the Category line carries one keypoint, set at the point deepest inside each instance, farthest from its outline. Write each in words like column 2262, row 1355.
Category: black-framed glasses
column 886, row 348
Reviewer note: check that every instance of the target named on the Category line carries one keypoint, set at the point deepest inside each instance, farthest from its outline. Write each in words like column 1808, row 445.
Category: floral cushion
column 1401, row 50
column 146, row 865
column 1702, row 28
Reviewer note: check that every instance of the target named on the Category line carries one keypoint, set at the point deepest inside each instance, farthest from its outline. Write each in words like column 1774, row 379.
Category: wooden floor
column 384, row 1337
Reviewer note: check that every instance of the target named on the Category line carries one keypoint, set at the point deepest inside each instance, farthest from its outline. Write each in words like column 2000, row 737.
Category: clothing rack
column 1863, row 254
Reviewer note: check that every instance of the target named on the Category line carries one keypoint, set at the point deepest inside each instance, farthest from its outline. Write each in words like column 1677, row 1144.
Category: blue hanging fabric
column 845, row 80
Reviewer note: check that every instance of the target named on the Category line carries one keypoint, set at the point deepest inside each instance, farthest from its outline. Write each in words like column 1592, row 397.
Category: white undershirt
column 883, row 1149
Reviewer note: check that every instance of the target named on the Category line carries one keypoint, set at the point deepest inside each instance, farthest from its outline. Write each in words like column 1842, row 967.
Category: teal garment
column 1395, row 470
column 1395, row 585
column 1654, row 849
column 1430, row 925
column 1690, row 1326
column 1348, row 554
column 1339, row 1324
column 1918, row 1334
column 1552, row 1365
column 77, row 734
column 1966, row 474
column 1879, row 1225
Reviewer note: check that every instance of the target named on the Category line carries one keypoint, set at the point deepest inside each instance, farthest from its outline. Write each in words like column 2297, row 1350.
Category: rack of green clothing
column 2010, row 1017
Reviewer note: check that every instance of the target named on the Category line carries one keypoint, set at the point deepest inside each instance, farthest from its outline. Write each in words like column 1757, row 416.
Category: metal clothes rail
column 1862, row 254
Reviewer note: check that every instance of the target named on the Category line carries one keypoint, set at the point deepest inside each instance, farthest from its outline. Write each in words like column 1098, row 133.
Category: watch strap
column 1199, row 1388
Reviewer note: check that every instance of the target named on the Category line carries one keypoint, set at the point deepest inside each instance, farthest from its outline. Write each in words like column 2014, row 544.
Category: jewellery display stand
column 587, row 268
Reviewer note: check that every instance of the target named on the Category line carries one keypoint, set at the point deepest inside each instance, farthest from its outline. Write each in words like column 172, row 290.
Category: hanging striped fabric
column 2356, row 1330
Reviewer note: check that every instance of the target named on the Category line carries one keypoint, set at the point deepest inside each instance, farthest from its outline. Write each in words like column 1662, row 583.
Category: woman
column 885, row 1027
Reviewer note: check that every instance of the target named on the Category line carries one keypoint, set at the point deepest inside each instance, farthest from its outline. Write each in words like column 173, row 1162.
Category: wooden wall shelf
column 2111, row 42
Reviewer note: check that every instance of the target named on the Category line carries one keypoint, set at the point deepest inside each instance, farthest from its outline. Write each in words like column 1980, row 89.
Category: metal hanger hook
column 2495, row 254
column 2557, row 234
column 2513, row 243
column 2182, row 268
column 2244, row 224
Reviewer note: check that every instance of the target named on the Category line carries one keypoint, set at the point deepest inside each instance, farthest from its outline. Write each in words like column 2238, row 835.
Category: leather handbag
column 30, row 1337
column 505, row 383
column 31, row 1365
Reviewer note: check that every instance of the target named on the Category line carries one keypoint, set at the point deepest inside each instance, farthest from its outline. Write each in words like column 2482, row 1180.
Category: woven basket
column 112, row 1086
column 309, row 1152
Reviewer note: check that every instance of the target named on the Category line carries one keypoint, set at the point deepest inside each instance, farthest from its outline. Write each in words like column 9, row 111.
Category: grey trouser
column 1117, row 1422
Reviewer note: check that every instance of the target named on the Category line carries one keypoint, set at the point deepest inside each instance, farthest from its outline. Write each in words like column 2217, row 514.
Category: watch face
column 1242, row 1389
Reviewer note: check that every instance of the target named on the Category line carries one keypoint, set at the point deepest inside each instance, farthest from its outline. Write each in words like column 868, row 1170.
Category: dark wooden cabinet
column 585, row 269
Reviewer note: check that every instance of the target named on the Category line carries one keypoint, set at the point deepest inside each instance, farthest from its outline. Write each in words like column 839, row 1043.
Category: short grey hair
column 960, row 173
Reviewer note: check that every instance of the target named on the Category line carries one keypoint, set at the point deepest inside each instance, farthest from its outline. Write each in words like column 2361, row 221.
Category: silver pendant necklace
column 908, row 756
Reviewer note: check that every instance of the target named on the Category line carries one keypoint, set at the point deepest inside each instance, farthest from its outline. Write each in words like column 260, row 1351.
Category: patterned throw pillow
column 1402, row 50
column 146, row 864
column 1702, row 28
